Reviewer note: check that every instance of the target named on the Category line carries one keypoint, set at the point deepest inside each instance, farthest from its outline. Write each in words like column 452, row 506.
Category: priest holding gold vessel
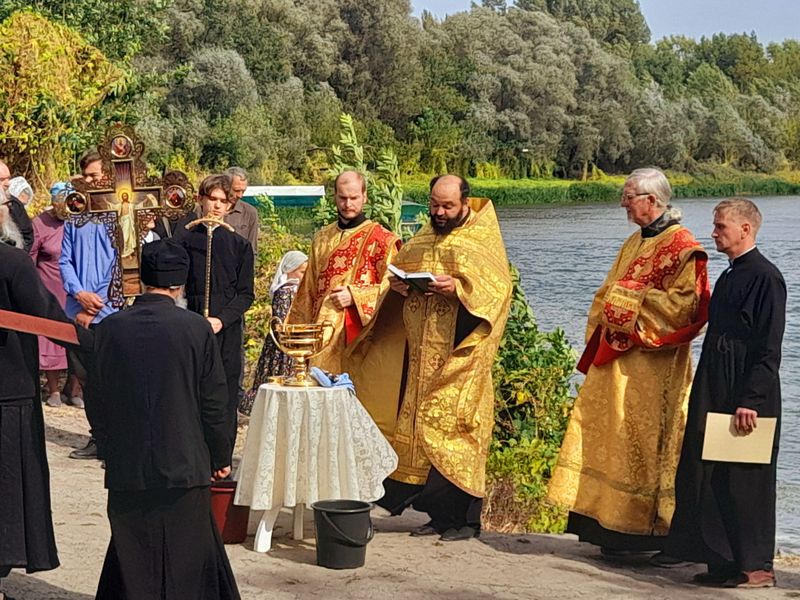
column 347, row 263
column 422, row 367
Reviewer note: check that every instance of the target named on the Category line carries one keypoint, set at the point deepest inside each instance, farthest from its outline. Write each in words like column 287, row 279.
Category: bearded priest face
column 448, row 206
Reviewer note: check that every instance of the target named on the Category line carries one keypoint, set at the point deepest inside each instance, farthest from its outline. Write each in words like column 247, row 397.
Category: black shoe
column 665, row 561
column 716, row 576
column 85, row 453
column 614, row 554
column 456, row 535
column 423, row 530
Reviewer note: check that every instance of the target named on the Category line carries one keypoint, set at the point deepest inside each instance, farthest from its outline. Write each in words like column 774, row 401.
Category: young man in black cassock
column 26, row 524
column 163, row 425
column 725, row 512
column 231, row 282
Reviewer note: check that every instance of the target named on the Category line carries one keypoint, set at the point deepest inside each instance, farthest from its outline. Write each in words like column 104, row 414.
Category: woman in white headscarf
column 282, row 291
column 20, row 189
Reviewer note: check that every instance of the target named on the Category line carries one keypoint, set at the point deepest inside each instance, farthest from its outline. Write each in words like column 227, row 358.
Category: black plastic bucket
column 343, row 529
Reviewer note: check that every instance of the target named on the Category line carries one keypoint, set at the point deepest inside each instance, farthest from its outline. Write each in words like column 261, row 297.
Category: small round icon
column 75, row 203
column 175, row 196
column 121, row 146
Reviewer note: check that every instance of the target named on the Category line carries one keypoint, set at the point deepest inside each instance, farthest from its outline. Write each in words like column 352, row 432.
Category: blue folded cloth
column 326, row 379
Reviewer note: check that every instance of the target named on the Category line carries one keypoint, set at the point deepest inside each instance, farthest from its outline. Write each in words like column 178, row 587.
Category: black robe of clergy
column 163, row 425
column 26, row 525
column 725, row 512
column 231, row 296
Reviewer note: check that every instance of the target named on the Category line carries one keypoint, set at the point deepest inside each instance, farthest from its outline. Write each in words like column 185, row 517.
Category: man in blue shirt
column 87, row 261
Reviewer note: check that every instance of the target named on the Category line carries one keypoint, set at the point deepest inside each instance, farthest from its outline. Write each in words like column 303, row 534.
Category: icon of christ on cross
column 128, row 202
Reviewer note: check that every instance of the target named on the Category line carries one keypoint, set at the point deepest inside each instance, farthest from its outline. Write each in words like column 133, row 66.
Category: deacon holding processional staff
column 423, row 365
column 220, row 281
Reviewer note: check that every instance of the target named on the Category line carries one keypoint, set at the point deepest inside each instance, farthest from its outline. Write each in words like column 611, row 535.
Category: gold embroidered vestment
column 620, row 452
column 446, row 416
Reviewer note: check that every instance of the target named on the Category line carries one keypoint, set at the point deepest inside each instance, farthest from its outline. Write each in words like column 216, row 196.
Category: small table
column 309, row 444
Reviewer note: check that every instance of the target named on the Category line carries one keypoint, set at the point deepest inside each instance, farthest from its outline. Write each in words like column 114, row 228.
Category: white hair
column 180, row 300
column 653, row 181
column 237, row 172
column 9, row 232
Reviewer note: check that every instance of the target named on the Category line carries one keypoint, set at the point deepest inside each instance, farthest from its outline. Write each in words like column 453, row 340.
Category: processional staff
column 211, row 224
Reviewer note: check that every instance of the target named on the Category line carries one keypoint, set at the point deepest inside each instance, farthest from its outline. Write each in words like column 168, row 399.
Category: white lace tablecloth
column 309, row 444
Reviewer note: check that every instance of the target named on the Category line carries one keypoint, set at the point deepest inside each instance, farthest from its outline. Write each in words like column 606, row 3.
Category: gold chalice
column 301, row 341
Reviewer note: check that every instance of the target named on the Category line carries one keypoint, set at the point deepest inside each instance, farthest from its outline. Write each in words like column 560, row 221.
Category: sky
column 772, row 20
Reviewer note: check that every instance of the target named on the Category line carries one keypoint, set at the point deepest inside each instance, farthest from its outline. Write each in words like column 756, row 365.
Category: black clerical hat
column 164, row 264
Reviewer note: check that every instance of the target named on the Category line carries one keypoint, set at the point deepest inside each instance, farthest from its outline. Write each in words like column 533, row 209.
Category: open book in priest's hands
column 419, row 281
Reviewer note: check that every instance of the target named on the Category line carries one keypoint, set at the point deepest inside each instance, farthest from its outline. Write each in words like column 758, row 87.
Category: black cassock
column 26, row 525
column 163, row 425
column 231, row 296
column 725, row 512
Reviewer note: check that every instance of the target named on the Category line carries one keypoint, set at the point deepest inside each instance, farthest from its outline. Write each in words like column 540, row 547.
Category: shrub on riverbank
column 507, row 192
column 533, row 399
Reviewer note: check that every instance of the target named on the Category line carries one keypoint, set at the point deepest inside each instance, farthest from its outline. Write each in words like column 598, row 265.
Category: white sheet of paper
column 396, row 271
column 723, row 443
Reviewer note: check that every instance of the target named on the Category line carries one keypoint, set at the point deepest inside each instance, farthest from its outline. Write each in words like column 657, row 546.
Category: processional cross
column 127, row 202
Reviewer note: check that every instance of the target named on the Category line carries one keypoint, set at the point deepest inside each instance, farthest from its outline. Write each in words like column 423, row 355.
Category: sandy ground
column 398, row 566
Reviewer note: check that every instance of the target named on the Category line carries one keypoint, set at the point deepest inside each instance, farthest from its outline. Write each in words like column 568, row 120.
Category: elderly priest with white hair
column 616, row 469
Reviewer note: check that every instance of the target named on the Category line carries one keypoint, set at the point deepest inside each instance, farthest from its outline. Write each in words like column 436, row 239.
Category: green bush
column 509, row 192
column 533, row 398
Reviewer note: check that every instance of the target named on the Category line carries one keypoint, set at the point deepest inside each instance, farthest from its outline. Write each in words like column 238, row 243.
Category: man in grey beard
column 9, row 232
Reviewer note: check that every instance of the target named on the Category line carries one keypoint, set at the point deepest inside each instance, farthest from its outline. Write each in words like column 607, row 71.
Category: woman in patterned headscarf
column 282, row 291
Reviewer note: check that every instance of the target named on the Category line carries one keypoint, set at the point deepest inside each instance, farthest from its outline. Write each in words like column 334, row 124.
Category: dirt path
column 398, row 566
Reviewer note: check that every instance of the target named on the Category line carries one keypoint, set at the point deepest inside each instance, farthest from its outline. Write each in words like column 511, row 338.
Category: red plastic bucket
column 231, row 519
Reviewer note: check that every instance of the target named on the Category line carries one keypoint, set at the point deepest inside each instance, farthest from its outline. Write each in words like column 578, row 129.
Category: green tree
column 522, row 86
column 439, row 137
column 613, row 22
column 598, row 134
column 54, row 82
column 739, row 56
column 120, row 29
column 218, row 82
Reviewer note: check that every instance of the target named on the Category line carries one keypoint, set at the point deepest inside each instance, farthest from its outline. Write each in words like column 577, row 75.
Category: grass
column 711, row 184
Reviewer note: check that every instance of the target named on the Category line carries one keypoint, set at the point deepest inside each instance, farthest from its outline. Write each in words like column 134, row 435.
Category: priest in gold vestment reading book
column 345, row 268
column 423, row 366
column 616, row 469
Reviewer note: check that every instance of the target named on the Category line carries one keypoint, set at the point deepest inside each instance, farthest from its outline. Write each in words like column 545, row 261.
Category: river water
column 564, row 252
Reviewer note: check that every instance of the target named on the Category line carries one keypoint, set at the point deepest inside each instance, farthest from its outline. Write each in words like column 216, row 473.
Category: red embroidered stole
column 650, row 272
column 360, row 254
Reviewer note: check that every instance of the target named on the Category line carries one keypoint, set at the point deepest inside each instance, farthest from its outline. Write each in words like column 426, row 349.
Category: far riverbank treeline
column 532, row 88
column 515, row 192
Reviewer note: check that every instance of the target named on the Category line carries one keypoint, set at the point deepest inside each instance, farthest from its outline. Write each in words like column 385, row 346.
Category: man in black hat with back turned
column 163, row 425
